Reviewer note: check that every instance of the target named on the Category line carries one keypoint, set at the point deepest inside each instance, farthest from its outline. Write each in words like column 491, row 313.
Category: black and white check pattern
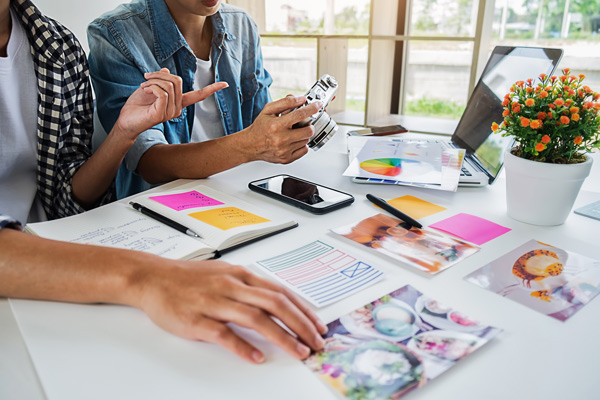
column 65, row 111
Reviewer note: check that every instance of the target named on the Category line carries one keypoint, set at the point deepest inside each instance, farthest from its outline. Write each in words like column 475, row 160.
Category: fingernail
column 299, row 99
column 319, row 342
column 258, row 357
column 302, row 350
column 319, row 104
column 322, row 327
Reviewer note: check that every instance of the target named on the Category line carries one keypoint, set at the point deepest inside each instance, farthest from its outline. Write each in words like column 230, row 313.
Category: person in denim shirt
column 162, row 38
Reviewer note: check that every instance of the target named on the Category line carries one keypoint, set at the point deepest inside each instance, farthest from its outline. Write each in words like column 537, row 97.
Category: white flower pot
column 541, row 193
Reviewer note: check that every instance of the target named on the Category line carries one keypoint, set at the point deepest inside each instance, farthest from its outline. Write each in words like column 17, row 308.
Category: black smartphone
column 309, row 196
column 378, row 131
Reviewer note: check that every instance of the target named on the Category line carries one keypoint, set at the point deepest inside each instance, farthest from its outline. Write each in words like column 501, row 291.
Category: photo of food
column 394, row 345
column 548, row 279
column 426, row 250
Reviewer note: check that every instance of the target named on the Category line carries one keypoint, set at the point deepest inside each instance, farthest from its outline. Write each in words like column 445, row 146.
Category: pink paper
column 184, row 201
column 469, row 227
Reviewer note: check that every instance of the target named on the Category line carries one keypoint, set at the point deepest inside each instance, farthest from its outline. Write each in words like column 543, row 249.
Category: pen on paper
column 164, row 220
column 394, row 211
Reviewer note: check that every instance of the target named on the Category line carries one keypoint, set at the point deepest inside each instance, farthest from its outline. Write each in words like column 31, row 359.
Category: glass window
column 449, row 18
column 292, row 63
column 573, row 26
column 436, row 80
column 329, row 17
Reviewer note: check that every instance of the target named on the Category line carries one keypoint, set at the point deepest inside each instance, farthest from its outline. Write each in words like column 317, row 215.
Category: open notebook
column 222, row 221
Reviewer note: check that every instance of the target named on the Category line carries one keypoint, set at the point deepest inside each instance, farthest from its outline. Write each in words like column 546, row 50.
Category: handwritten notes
column 184, row 201
column 469, row 227
column 321, row 273
column 228, row 217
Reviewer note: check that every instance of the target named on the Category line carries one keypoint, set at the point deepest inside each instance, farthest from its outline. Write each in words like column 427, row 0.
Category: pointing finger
column 195, row 96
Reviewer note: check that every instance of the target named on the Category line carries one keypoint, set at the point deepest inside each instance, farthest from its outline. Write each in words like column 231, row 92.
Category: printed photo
column 426, row 250
column 394, row 345
column 550, row 280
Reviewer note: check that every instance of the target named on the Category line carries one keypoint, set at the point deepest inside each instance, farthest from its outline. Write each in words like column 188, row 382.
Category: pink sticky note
column 183, row 201
column 469, row 227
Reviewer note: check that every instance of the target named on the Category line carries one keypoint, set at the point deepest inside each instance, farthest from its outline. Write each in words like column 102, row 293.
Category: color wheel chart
column 385, row 166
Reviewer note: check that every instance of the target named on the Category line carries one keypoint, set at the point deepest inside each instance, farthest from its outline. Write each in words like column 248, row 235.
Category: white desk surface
column 116, row 352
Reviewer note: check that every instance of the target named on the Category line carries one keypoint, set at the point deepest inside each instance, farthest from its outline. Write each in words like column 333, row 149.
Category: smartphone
column 309, row 196
column 378, row 131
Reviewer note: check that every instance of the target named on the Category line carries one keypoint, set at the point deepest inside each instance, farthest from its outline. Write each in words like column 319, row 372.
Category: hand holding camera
column 324, row 91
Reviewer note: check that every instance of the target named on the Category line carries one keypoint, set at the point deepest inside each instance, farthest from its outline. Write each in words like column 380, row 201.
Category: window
column 413, row 61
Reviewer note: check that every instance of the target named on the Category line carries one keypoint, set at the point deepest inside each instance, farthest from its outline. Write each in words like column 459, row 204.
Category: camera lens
column 325, row 128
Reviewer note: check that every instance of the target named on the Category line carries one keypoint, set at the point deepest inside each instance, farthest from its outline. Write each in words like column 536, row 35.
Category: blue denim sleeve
column 263, row 79
column 115, row 77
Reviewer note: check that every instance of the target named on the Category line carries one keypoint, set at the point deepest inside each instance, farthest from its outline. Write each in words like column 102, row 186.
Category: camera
column 324, row 91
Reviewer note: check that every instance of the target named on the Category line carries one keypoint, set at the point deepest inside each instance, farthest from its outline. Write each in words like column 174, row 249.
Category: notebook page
column 118, row 225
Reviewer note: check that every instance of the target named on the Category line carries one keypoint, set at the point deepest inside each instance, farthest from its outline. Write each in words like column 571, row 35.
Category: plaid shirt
column 65, row 110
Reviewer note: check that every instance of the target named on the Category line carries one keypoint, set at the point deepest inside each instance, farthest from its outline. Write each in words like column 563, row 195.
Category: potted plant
column 554, row 121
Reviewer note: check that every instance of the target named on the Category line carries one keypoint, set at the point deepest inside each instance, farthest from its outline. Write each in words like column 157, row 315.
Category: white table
column 115, row 352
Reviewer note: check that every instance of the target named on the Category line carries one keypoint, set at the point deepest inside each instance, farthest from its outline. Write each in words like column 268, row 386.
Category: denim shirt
column 141, row 37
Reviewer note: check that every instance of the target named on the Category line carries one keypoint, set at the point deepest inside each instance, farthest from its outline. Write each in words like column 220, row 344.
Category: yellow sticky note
column 415, row 207
column 228, row 217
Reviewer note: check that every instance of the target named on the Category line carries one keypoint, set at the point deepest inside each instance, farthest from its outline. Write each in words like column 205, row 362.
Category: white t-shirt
column 18, row 130
column 207, row 118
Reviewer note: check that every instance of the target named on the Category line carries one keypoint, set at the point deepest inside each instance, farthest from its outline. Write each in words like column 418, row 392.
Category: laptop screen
column 505, row 66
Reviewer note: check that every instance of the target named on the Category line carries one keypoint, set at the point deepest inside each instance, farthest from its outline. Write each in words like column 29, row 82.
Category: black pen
column 394, row 211
column 164, row 220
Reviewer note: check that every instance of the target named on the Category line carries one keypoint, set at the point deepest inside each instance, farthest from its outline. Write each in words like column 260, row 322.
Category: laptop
column 484, row 149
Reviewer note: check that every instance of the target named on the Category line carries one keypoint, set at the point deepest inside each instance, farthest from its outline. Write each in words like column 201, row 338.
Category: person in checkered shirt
column 46, row 168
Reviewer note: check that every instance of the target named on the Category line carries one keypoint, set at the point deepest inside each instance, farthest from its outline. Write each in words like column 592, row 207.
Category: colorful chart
column 385, row 166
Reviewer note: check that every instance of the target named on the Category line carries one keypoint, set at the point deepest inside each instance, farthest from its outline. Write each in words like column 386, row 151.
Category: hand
column 157, row 100
column 271, row 137
column 196, row 300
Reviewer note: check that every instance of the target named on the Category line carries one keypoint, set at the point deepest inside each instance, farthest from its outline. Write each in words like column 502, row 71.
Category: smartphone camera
column 324, row 91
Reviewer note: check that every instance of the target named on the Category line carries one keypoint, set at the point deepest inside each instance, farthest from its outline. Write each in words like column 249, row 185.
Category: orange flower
column 588, row 105
column 495, row 127
column 535, row 124
column 539, row 147
column 529, row 89
column 543, row 94
column 505, row 102
column 552, row 106
column 529, row 81
column 587, row 89
column 524, row 122
column 550, row 115
column 552, row 79
column 574, row 110
column 581, row 76
column 575, row 117
column 572, row 78
column 564, row 119
column 520, row 83
column 566, row 71
column 545, row 139
column 529, row 102
column 543, row 76
column 597, row 97
column 559, row 102
column 571, row 92
column 569, row 102
column 505, row 113
column 578, row 140
column 516, row 107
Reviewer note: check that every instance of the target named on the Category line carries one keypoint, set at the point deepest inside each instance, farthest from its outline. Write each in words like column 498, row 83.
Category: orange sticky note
column 228, row 217
column 415, row 207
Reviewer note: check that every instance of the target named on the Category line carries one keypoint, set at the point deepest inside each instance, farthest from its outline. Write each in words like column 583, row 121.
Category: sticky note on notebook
column 471, row 228
column 228, row 217
column 415, row 207
column 184, row 201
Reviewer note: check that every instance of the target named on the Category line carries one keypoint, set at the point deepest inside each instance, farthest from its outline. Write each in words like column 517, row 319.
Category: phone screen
column 311, row 195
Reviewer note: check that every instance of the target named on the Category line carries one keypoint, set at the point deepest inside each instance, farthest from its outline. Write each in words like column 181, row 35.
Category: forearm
column 36, row 268
column 96, row 175
column 164, row 163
